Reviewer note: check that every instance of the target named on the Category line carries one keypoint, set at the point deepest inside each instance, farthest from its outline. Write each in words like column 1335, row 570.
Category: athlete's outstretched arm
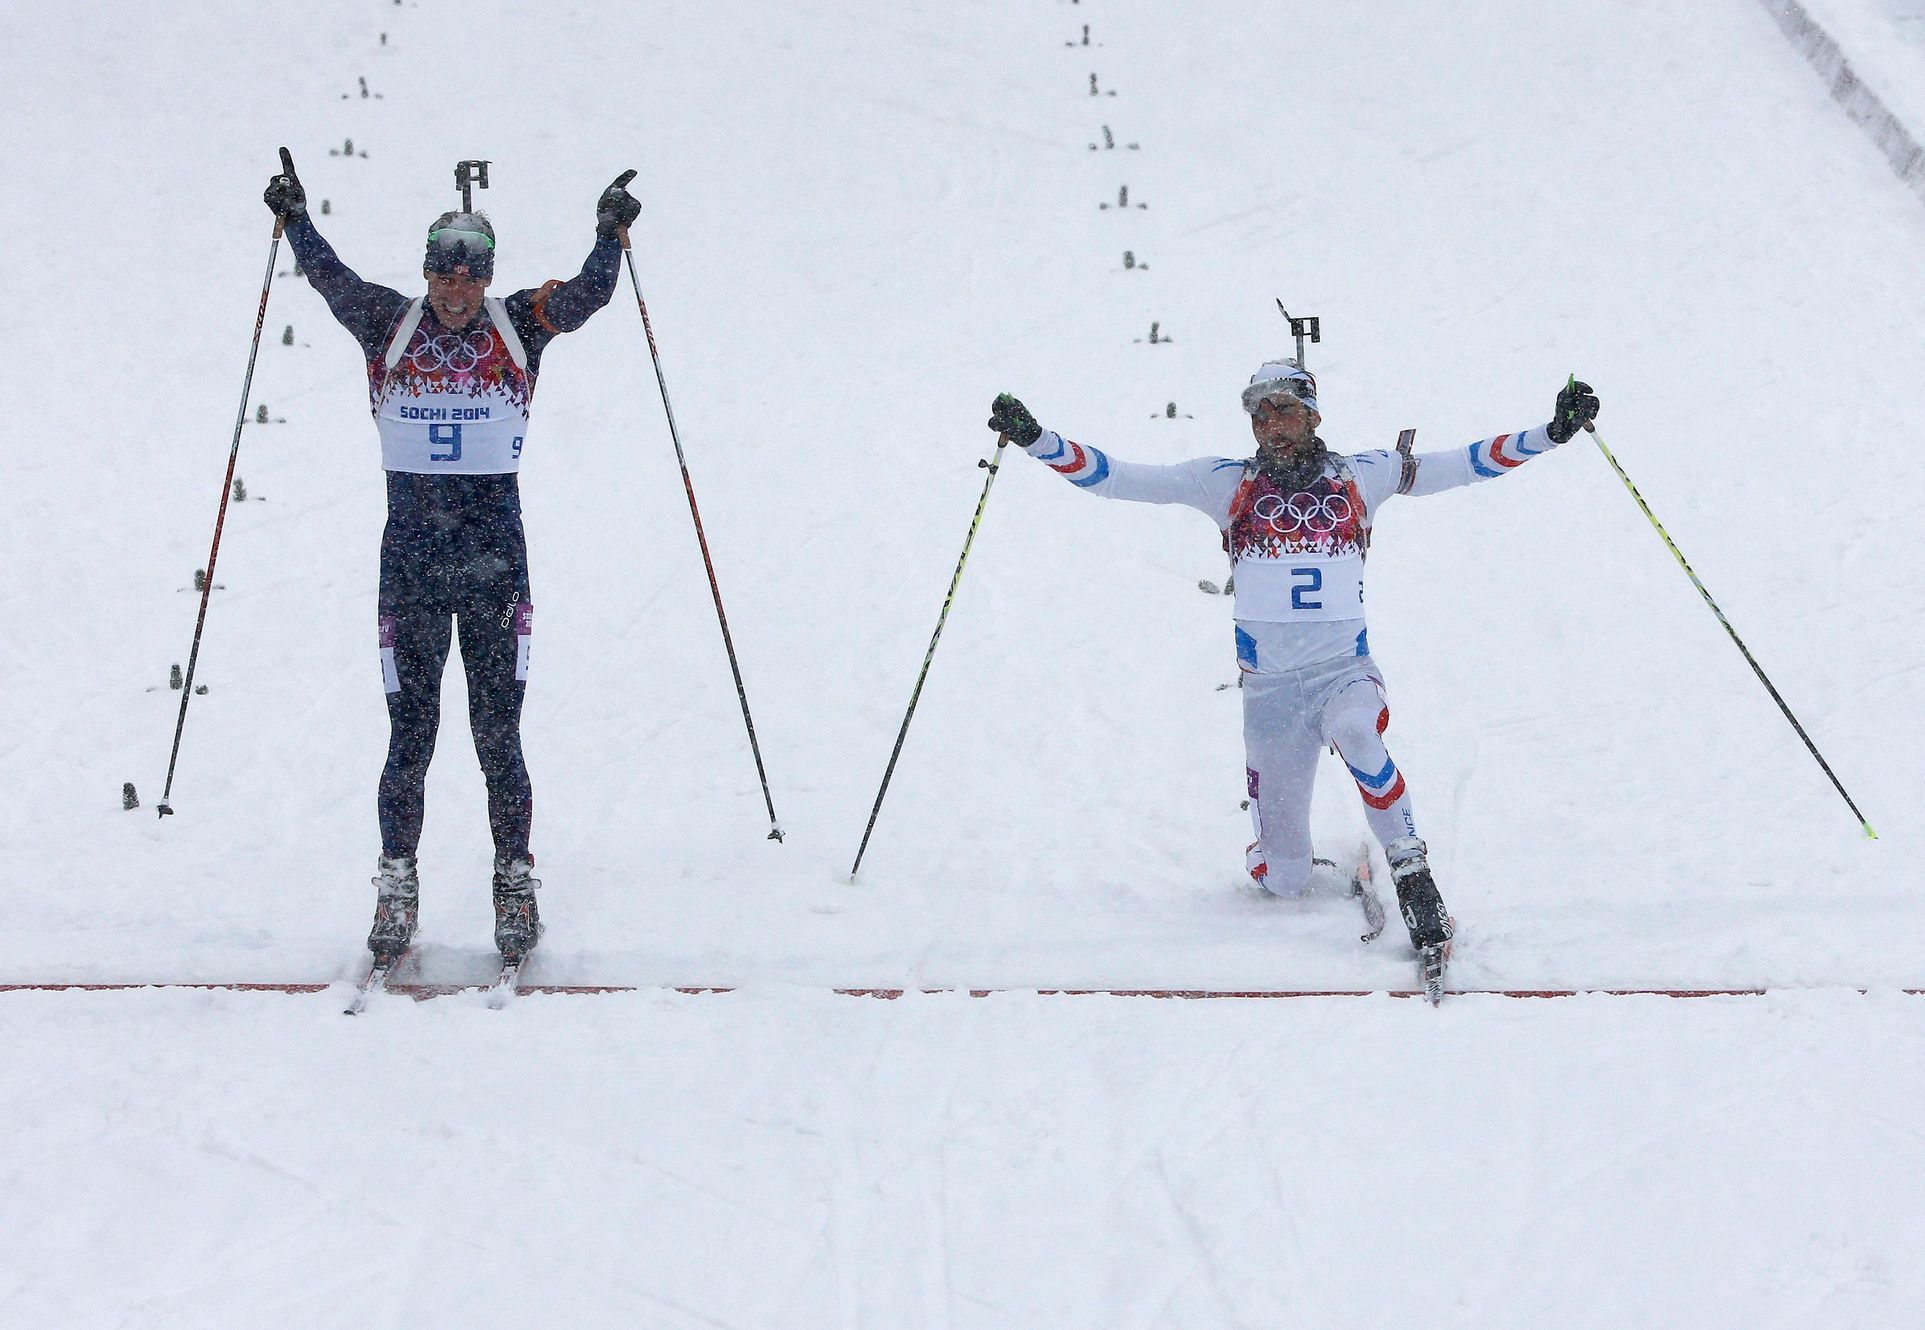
column 1203, row 483
column 561, row 307
column 1487, row 459
column 1385, row 473
column 366, row 309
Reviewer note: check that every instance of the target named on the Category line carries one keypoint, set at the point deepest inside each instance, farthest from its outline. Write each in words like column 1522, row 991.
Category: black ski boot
column 517, row 921
column 397, row 908
column 1417, row 898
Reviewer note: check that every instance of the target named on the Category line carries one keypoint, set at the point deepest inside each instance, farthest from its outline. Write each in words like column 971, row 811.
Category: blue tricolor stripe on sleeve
column 1506, row 452
column 1076, row 463
column 1099, row 469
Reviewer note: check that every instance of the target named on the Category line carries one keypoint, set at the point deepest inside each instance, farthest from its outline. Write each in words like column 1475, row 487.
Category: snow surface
column 859, row 223
column 784, row 1159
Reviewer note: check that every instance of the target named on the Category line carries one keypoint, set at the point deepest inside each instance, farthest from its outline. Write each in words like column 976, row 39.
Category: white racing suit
column 1308, row 680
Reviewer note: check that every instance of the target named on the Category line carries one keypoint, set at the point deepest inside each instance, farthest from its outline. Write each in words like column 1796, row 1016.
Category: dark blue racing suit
column 453, row 554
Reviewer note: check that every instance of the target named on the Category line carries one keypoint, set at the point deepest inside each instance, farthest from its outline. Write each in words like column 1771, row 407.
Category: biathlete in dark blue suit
column 450, row 376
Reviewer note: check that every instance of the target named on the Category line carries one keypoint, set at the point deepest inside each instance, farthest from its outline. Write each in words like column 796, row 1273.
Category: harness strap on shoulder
column 1356, row 493
column 1239, row 503
column 404, row 331
column 540, row 303
column 506, row 327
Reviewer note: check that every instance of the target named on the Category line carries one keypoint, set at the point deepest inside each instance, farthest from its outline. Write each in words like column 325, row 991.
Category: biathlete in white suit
column 1296, row 520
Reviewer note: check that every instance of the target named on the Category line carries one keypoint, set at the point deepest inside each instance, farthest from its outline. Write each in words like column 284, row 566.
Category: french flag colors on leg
column 1354, row 724
column 1382, row 788
column 1360, row 734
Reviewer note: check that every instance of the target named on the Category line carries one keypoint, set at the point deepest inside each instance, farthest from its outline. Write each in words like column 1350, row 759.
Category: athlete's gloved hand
column 1011, row 417
column 616, row 208
column 284, row 196
column 1576, row 407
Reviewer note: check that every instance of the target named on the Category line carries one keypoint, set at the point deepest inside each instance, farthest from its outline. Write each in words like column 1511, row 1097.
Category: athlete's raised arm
column 1385, row 473
column 1203, row 483
column 559, row 307
column 366, row 309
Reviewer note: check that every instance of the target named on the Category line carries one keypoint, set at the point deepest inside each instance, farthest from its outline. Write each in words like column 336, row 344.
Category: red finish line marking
column 1189, row 994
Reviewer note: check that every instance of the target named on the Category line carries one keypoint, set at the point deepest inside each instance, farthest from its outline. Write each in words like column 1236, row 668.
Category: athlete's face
column 455, row 296
column 1283, row 425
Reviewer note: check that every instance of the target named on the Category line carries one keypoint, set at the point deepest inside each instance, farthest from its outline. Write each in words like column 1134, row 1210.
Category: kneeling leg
column 1280, row 756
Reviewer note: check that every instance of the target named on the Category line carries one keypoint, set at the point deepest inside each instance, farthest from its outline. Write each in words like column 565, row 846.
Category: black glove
column 1576, row 408
column 616, row 208
column 284, row 196
column 1011, row 417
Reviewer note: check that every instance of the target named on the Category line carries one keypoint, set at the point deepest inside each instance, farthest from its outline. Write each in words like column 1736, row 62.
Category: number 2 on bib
column 1304, row 580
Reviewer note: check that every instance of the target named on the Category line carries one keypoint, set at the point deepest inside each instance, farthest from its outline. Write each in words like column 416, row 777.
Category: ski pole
column 993, row 464
column 1743, row 650
column 728, row 642
column 220, row 516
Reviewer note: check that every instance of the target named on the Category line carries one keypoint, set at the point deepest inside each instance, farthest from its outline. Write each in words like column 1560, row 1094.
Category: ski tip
column 287, row 161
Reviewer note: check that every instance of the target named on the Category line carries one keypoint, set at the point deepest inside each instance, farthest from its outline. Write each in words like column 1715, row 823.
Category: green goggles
column 473, row 242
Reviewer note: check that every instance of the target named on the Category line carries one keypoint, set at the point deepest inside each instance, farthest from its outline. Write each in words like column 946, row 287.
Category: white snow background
column 859, row 223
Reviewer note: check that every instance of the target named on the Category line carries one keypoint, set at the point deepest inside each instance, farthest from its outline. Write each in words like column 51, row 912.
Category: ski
column 1366, row 894
column 375, row 981
column 1432, row 960
column 504, row 989
column 1424, row 915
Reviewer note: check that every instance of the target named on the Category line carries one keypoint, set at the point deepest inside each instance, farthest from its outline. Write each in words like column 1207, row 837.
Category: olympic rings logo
column 1302, row 513
column 457, row 353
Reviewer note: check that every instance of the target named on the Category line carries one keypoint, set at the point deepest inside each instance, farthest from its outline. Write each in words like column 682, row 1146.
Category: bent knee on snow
column 1287, row 879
